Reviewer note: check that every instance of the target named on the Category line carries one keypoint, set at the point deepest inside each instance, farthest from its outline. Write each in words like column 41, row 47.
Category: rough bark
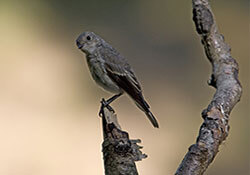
column 224, row 78
column 119, row 152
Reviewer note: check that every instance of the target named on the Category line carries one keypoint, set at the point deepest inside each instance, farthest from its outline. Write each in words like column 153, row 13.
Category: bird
column 112, row 72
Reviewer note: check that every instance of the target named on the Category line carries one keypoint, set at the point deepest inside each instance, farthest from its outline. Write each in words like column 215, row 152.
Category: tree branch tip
column 111, row 117
column 119, row 152
column 203, row 18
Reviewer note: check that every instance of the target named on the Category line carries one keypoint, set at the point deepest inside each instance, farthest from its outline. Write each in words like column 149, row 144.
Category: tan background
column 49, row 103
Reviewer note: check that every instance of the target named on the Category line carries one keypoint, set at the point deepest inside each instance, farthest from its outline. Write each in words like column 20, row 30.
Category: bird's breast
column 101, row 77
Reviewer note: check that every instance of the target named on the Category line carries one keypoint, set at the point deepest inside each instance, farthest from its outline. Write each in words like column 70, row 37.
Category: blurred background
column 49, row 103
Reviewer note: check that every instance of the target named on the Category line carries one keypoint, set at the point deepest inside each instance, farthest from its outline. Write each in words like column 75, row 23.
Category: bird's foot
column 105, row 104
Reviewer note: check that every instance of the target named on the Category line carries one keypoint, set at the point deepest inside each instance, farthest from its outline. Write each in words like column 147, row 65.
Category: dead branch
column 224, row 78
column 119, row 152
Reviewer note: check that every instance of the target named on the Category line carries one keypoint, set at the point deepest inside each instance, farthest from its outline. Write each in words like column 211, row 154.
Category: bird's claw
column 105, row 105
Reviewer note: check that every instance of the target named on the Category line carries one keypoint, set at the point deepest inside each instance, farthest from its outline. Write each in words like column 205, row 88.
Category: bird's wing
column 121, row 73
column 118, row 65
column 122, row 77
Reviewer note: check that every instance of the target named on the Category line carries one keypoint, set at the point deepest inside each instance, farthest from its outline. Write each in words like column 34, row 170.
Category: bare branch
column 224, row 78
column 119, row 152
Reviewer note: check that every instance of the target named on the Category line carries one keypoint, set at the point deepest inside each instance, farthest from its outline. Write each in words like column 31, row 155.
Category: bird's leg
column 110, row 100
column 105, row 103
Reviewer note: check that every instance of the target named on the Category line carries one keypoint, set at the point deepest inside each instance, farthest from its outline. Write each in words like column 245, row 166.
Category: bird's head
column 88, row 42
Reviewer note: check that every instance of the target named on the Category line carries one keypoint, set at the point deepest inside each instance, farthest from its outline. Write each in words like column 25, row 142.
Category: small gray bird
column 111, row 71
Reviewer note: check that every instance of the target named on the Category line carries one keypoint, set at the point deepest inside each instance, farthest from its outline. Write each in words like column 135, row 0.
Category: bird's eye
column 88, row 38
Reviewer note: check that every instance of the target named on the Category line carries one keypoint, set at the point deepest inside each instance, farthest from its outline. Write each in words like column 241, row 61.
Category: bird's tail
column 152, row 119
column 142, row 104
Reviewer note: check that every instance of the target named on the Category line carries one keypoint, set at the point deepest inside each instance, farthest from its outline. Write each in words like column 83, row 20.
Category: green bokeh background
column 49, row 103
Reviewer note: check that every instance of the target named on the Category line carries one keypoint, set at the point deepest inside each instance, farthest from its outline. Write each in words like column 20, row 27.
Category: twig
column 224, row 78
column 119, row 152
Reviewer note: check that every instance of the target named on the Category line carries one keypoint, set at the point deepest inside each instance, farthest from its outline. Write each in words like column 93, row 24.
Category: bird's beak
column 79, row 45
